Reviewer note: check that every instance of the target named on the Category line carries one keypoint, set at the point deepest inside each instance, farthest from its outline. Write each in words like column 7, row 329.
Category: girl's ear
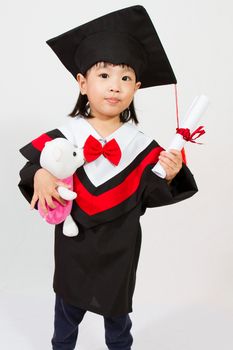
column 82, row 83
column 137, row 86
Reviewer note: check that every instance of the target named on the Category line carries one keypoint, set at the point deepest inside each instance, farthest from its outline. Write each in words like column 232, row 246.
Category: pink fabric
column 60, row 213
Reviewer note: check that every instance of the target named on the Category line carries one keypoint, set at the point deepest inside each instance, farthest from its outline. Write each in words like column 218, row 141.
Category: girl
column 111, row 58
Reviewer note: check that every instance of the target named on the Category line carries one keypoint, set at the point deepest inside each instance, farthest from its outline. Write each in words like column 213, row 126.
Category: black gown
column 96, row 270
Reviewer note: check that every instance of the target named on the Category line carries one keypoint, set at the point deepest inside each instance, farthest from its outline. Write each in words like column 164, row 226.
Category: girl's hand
column 171, row 162
column 45, row 185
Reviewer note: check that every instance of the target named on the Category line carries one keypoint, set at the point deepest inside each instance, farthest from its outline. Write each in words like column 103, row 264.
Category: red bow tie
column 93, row 149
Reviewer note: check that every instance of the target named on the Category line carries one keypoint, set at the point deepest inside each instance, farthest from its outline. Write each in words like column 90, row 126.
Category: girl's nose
column 115, row 89
column 114, row 86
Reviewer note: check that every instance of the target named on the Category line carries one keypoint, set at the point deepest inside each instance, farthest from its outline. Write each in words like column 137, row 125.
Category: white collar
column 130, row 139
column 78, row 129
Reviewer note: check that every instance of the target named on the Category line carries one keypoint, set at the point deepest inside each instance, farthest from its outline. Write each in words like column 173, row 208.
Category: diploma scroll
column 191, row 119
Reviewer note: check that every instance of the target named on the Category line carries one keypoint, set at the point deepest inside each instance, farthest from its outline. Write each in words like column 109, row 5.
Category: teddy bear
column 61, row 158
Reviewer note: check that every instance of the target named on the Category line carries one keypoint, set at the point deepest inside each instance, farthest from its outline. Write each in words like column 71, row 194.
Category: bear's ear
column 57, row 153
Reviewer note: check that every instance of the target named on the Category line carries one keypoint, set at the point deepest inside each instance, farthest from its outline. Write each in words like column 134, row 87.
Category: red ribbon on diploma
column 188, row 136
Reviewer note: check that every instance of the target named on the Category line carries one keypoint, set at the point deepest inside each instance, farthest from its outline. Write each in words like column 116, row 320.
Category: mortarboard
column 125, row 36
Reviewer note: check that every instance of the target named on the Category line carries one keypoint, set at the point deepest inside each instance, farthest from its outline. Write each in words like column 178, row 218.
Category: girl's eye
column 126, row 77
column 103, row 75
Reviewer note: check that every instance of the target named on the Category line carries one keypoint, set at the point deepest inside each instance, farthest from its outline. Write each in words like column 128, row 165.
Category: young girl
column 111, row 58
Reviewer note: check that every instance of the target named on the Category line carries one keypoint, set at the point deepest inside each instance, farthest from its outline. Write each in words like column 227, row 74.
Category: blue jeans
column 66, row 325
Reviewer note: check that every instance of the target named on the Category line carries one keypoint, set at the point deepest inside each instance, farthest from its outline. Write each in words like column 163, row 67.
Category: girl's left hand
column 171, row 162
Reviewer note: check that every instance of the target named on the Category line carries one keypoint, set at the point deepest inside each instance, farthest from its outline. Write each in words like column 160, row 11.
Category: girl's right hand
column 45, row 185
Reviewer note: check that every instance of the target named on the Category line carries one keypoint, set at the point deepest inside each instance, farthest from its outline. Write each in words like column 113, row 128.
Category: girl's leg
column 66, row 321
column 117, row 332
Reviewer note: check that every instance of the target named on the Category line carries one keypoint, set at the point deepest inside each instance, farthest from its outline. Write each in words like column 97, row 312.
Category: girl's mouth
column 112, row 100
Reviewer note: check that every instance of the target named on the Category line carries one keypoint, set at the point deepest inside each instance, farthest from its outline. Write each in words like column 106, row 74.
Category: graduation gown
column 96, row 270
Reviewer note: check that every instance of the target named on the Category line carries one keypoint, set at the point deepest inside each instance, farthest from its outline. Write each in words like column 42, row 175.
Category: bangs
column 103, row 64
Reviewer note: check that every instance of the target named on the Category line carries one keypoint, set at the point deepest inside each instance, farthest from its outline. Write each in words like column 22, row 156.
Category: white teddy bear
column 61, row 158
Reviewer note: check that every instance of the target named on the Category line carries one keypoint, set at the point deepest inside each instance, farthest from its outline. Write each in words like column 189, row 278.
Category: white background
column 184, row 292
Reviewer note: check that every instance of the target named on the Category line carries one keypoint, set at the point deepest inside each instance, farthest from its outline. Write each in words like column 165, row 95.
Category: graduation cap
column 126, row 36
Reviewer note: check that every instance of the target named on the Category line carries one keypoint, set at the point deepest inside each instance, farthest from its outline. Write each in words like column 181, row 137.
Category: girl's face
column 109, row 88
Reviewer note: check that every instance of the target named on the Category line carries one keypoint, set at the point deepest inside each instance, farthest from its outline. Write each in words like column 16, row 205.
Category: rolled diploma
column 191, row 119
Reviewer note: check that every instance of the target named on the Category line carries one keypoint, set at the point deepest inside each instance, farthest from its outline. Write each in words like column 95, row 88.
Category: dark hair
column 82, row 106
